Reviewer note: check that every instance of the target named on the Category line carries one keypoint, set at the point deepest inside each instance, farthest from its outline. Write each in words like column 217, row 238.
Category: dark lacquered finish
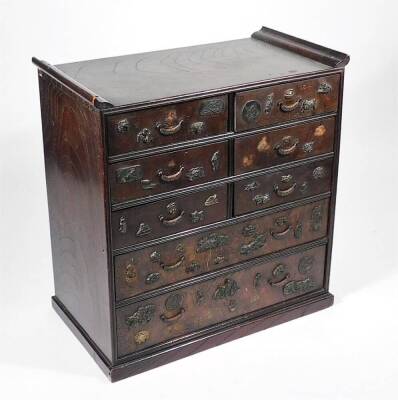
column 183, row 311
column 287, row 102
column 201, row 253
column 274, row 188
column 154, row 127
column 166, row 172
column 143, row 156
column 75, row 173
column 150, row 221
column 280, row 146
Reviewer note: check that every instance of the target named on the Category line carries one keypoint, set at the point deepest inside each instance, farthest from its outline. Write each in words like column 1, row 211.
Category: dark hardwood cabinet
column 191, row 201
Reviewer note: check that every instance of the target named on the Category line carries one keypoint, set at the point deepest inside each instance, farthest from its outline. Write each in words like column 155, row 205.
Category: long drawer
column 145, row 129
column 176, row 260
column 289, row 101
column 183, row 311
column 166, row 172
column 279, row 146
column 271, row 189
column 153, row 220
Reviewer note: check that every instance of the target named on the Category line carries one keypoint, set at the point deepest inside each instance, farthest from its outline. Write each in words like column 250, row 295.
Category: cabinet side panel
column 75, row 173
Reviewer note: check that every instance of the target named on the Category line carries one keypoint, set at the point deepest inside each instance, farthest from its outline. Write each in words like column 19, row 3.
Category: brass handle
column 172, row 267
column 173, row 221
column 167, row 130
column 289, row 141
column 173, row 318
column 172, row 177
column 279, row 283
column 285, row 192
column 281, row 235
column 289, row 107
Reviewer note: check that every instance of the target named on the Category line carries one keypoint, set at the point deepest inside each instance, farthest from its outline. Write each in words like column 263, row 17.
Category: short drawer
column 145, row 129
column 150, row 221
column 150, row 175
column 275, row 188
column 280, row 103
column 181, row 312
column 266, row 149
column 177, row 260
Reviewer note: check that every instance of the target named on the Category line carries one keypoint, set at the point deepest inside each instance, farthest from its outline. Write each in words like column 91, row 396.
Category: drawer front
column 140, row 130
column 150, row 221
column 180, row 259
column 165, row 172
column 184, row 311
column 265, row 150
column 275, row 188
column 287, row 102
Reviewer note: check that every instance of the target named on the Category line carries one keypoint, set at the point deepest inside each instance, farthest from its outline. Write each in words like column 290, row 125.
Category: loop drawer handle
column 166, row 130
column 287, row 140
column 285, row 192
column 281, row 235
column 172, row 177
column 172, row 267
column 289, row 107
column 279, row 283
column 175, row 317
column 171, row 222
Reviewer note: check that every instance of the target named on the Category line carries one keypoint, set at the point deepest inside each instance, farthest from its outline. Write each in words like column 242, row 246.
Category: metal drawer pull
column 172, row 177
column 172, row 267
column 285, row 192
column 167, row 130
column 289, row 94
column 171, row 222
column 286, row 146
column 174, row 317
column 279, row 283
column 280, row 235
column 289, row 107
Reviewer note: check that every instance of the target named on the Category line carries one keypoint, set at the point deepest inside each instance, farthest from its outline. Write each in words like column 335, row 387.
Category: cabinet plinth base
column 242, row 327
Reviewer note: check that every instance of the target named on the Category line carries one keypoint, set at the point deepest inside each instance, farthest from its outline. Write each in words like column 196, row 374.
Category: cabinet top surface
column 157, row 75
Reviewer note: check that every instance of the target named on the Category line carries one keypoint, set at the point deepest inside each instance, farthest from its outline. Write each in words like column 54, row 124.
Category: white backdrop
column 346, row 352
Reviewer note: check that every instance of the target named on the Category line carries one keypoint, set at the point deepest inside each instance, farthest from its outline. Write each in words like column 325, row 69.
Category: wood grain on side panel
column 75, row 173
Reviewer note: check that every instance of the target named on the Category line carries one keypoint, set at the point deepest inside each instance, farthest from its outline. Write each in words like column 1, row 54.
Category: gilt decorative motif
column 141, row 316
column 197, row 216
column 298, row 287
column 215, row 160
column 129, row 174
column 227, row 289
column 324, row 88
column 319, row 172
column 144, row 136
column 251, row 111
column 251, row 186
column 258, row 242
column 211, row 200
column 130, row 274
column 316, row 218
column 122, row 126
column 197, row 128
column 193, row 268
column 143, row 229
column 212, row 241
column 152, row 278
column 269, row 103
column 195, row 173
column 122, row 224
column 211, row 107
column 305, row 264
column 261, row 199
